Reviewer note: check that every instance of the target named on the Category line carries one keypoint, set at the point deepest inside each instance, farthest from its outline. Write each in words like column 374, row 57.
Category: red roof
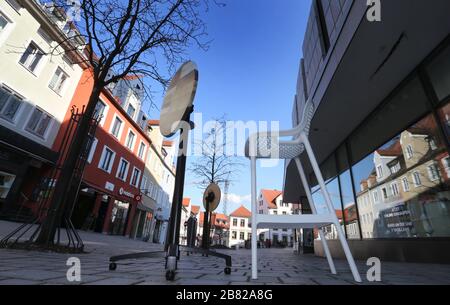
column 241, row 212
column 186, row 202
column 270, row 196
column 220, row 220
column 153, row 122
column 133, row 77
column 195, row 209
column 393, row 151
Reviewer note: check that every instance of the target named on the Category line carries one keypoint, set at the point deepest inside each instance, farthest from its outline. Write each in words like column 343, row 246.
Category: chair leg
column 314, row 210
column 254, row 223
column 327, row 197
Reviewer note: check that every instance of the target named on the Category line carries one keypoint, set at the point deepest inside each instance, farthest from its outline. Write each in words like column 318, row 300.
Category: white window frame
column 138, row 177
column 111, row 161
column 380, row 171
column 144, row 153
column 4, row 33
column 92, row 150
column 375, row 196
column 18, row 96
column 446, row 163
column 144, row 185
column 119, row 136
column 405, row 183
column 432, row 169
column 37, row 69
column 105, row 111
column 394, row 189
column 63, row 86
column 409, row 152
column 49, row 126
column 15, row 5
column 126, row 170
column 134, row 139
column 415, row 175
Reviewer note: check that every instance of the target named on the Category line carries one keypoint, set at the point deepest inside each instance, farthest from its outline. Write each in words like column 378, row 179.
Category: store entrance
column 119, row 218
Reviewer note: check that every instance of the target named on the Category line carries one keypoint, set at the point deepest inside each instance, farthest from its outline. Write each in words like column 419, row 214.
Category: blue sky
column 250, row 73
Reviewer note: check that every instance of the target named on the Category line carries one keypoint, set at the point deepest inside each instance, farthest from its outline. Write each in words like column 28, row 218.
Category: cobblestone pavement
column 277, row 267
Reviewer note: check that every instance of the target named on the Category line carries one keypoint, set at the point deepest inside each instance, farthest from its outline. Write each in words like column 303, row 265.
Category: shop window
column 6, row 182
column 319, row 202
column 421, row 210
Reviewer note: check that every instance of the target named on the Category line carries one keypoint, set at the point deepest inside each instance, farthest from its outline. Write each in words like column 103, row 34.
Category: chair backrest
column 307, row 116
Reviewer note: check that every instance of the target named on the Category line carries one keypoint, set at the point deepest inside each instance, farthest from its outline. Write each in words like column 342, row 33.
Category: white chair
column 267, row 145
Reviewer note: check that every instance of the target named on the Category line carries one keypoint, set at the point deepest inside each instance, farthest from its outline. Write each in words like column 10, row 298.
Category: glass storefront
column 119, row 218
column 6, row 182
column 398, row 184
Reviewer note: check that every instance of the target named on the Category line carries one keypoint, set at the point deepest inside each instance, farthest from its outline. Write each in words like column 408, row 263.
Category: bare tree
column 216, row 164
column 118, row 38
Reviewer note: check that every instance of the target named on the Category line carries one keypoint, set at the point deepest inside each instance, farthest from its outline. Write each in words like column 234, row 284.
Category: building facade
column 240, row 230
column 386, row 161
column 270, row 202
column 38, row 78
column 111, row 186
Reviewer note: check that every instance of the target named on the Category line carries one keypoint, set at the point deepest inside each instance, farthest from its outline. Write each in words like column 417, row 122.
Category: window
column 409, row 152
column 416, row 179
column 38, row 123
column 9, row 104
column 385, row 194
column 107, row 159
column 58, row 81
column 92, row 150
column 375, row 196
column 135, row 177
column 141, row 151
column 242, row 222
column 130, row 140
column 122, row 171
column 380, row 171
column 394, row 189
column 242, row 235
column 405, row 184
column 99, row 111
column 395, row 168
column 32, row 57
column 144, row 184
column 116, row 127
column 235, row 222
column 6, row 182
column 3, row 22
column 446, row 164
column 233, row 234
column 433, row 173
column 131, row 110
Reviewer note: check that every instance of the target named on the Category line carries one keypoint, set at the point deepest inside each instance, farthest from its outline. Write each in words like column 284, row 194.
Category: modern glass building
column 381, row 129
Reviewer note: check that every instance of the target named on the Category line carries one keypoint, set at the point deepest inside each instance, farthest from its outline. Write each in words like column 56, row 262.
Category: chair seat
column 269, row 148
column 308, row 221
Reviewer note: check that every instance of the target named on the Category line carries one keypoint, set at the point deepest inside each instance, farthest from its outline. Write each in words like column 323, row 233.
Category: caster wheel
column 227, row 270
column 170, row 275
column 112, row 266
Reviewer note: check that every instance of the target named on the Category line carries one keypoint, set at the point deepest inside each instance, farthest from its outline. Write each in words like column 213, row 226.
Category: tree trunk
column 59, row 199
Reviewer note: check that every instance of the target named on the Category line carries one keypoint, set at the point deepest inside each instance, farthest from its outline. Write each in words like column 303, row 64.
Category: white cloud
column 238, row 199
